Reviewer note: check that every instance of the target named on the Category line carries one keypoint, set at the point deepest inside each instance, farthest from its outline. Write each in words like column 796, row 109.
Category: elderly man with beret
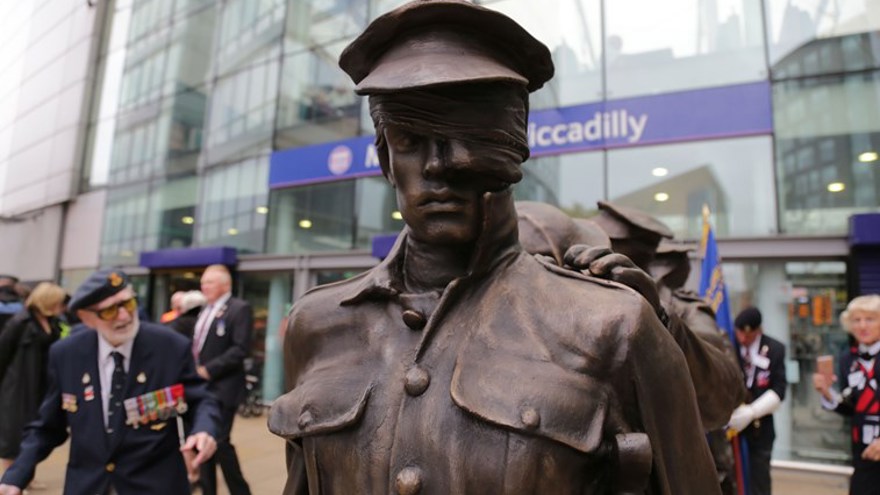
column 117, row 391
column 462, row 364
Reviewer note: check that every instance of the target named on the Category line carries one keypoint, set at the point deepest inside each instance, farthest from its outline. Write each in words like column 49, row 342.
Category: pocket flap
column 320, row 405
column 534, row 397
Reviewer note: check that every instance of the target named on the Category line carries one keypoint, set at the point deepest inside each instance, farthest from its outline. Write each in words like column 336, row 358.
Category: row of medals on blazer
column 158, row 405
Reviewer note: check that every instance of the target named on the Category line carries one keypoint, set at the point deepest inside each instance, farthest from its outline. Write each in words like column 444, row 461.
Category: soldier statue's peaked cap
column 429, row 43
column 621, row 222
column 99, row 286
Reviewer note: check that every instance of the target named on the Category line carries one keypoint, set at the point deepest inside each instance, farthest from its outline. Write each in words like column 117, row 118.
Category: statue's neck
column 429, row 267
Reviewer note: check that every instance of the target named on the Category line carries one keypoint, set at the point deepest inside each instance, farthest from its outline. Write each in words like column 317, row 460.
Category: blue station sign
column 711, row 113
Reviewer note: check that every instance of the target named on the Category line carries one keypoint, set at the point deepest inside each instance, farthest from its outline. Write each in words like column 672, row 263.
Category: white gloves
column 743, row 415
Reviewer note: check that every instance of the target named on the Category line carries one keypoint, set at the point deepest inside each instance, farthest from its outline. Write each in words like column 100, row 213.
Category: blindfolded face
column 444, row 150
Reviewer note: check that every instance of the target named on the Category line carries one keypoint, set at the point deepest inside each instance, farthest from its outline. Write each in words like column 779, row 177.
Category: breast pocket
column 320, row 404
column 541, row 399
column 533, row 397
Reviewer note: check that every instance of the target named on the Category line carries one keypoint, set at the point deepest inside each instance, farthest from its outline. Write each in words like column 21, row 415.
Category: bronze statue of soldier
column 461, row 364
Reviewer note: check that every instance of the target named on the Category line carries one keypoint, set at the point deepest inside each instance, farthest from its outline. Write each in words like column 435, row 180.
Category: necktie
column 114, row 404
column 201, row 328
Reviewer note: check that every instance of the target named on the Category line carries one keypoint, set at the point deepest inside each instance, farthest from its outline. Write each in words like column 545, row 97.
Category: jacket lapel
column 89, row 378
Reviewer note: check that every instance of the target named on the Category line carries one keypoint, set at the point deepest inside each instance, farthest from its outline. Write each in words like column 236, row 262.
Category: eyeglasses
column 111, row 312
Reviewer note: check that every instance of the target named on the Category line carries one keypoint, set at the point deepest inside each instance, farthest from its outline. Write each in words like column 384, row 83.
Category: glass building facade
column 195, row 97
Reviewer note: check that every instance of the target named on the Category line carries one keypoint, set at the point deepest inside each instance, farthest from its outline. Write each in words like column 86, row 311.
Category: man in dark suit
column 117, row 387
column 763, row 360
column 221, row 342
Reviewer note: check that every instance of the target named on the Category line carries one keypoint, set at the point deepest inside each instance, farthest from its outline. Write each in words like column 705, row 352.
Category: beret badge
column 114, row 279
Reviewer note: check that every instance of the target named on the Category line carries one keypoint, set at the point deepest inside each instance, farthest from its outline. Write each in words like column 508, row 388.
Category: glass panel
column 228, row 212
column 312, row 218
column 822, row 35
column 376, row 211
column 318, row 103
column 125, row 230
column 682, row 44
column 572, row 182
column 242, row 110
column 318, row 22
column 571, row 29
column 250, row 33
column 826, row 153
column 330, row 276
column 173, row 208
column 800, row 304
column 852, row 52
column 191, row 52
column 733, row 177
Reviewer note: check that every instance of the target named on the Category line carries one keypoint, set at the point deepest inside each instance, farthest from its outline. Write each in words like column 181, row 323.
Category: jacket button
column 110, row 467
column 305, row 419
column 414, row 320
column 530, row 418
column 409, row 481
column 417, row 381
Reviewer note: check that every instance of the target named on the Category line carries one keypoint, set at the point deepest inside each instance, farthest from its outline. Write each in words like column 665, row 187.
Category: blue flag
column 714, row 292
column 712, row 288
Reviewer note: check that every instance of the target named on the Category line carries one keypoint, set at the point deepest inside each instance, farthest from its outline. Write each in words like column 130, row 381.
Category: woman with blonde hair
column 24, row 354
column 857, row 375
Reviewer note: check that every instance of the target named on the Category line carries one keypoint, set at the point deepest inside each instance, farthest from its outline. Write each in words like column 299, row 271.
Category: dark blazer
column 227, row 344
column 772, row 378
column 866, row 476
column 24, row 354
column 140, row 461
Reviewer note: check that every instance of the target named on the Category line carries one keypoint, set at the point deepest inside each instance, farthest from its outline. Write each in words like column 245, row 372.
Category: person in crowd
column 106, row 391
column 24, row 354
column 221, row 342
column 857, row 372
column 10, row 301
column 191, row 303
column 175, row 311
column 459, row 363
column 763, row 361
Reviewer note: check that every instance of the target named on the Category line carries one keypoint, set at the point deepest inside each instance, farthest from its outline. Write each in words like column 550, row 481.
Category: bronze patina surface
column 462, row 364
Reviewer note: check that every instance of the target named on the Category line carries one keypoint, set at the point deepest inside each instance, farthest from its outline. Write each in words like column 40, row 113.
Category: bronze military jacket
column 521, row 379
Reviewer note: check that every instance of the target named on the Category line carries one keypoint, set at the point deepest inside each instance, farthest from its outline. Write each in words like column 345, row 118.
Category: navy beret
column 99, row 286
column 748, row 319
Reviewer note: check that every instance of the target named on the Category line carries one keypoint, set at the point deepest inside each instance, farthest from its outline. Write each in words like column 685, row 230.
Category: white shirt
column 206, row 318
column 752, row 351
column 106, row 366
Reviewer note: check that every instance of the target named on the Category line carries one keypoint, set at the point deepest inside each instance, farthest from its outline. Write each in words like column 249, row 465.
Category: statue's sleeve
column 297, row 481
column 714, row 371
column 666, row 405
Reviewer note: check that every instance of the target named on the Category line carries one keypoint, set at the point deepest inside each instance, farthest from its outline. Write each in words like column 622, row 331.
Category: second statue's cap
column 429, row 43
column 621, row 222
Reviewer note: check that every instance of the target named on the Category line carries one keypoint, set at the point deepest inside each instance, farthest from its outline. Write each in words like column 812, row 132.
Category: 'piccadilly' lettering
column 604, row 125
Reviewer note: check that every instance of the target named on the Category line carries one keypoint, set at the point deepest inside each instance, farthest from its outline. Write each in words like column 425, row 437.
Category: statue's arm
column 667, row 410
column 715, row 373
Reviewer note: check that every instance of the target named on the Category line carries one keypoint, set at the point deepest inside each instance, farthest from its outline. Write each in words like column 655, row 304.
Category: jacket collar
column 497, row 243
